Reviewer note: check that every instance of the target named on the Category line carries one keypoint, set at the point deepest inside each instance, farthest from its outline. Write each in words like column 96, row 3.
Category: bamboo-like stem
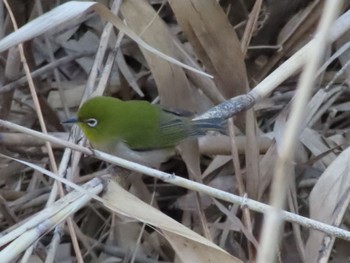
column 25, row 234
column 272, row 228
column 57, row 187
column 290, row 67
column 185, row 183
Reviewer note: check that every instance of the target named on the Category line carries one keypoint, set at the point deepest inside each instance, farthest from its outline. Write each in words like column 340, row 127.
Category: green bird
column 138, row 130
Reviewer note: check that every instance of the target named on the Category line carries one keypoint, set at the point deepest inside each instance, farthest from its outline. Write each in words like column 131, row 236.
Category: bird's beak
column 70, row 120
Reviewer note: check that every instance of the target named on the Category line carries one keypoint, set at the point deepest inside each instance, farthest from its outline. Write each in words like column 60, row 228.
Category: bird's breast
column 149, row 157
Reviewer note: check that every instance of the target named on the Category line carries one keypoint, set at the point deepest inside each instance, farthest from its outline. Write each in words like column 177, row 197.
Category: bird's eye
column 91, row 122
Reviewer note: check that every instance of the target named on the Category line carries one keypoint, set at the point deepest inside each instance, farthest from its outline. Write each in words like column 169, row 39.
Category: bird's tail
column 202, row 126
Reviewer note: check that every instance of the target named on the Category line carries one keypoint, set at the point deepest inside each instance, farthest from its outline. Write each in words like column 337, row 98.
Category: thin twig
column 239, row 179
column 42, row 70
column 185, row 183
column 250, row 27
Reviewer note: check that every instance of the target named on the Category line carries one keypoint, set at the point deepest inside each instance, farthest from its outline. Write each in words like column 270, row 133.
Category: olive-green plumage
column 141, row 126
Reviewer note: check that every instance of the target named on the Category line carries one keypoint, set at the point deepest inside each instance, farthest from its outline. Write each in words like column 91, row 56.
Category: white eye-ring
column 91, row 122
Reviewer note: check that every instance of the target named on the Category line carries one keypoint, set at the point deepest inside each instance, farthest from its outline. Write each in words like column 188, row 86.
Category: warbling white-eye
column 138, row 130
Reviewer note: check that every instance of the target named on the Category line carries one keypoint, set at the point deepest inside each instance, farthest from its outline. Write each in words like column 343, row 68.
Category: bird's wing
column 176, row 111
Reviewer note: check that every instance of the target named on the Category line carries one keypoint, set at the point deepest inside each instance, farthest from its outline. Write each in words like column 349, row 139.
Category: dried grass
column 62, row 202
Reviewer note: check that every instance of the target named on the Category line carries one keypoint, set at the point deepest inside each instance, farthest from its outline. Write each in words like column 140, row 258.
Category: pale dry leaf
column 121, row 201
column 280, row 124
column 64, row 253
column 279, row 132
column 315, row 143
column 73, row 93
column 174, row 88
column 251, row 27
column 190, row 154
column 187, row 202
column 329, row 201
column 319, row 104
column 87, row 43
column 128, row 74
column 237, row 223
column 294, row 23
column 266, row 166
column 189, row 251
column 140, row 189
column 127, row 234
column 219, row 50
column 345, row 56
column 69, row 12
column 217, row 162
column 341, row 252
column 345, row 106
column 338, row 139
column 215, row 43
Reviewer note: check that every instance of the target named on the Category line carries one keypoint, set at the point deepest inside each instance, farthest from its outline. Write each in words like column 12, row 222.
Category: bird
column 137, row 130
